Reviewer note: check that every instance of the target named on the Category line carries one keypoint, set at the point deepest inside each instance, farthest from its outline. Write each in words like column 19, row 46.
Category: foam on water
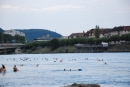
column 50, row 72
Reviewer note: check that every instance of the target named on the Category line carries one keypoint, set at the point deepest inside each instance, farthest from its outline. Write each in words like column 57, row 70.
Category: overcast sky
column 64, row 16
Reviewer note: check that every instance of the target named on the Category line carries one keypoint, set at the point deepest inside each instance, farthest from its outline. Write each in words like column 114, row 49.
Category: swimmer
column 2, row 68
column 15, row 68
column 99, row 60
column 21, row 64
column 37, row 65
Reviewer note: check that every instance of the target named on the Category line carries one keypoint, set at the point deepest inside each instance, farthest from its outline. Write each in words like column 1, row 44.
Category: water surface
column 50, row 72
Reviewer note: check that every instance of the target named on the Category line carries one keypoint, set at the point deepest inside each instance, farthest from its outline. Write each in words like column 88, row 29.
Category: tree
column 33, row 48
column 104, row 39
column 1, row 30
column 6, row 38
column 122, row 37
column 18, row 38
column 0, row 37
column 54, row 43
column 127, row 37
column 97, row 31
column 114, row 38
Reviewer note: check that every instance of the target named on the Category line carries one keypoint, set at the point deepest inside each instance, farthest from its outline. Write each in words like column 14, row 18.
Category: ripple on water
column 50, row 74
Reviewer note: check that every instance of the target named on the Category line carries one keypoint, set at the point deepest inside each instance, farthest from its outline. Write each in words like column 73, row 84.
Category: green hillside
column 1, row 30
column 31, row 34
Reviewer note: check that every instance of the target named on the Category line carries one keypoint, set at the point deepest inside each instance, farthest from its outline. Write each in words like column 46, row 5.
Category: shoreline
column 71, row 52
column 72, row 49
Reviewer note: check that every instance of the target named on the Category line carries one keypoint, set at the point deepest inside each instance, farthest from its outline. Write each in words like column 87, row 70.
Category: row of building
column 104, row 32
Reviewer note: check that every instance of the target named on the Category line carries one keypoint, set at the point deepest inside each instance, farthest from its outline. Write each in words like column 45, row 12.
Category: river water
column 50, row 72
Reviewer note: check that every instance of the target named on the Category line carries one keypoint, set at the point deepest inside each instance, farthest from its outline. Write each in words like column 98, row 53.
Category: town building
column 43, row 38
column 104, row 32
column 77, row 35
column 117, row 31
column 64, row 37
column 126, row 30
column 120, row 30
column 14, row 32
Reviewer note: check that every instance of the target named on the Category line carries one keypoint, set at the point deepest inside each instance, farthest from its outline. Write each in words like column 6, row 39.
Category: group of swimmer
column 73, row 70
column 3, row 69
column 55, row 59
column 15, row 69
column 101, row 60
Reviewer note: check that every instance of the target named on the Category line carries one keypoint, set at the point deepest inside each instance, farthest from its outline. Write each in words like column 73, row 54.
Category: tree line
column 6, row 38
column 55, row 43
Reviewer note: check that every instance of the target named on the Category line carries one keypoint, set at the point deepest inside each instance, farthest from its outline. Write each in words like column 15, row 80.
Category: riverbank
column 65, row 49
column 119, row 48
column 73, row 49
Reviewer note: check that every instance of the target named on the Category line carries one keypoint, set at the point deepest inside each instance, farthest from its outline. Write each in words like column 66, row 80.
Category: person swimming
column 21, row 64
column 2, row 68
column 15, row 68
column 37, row 65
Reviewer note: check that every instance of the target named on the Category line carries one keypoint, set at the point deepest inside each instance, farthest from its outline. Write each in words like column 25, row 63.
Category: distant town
column 115, row 39
column 103, row 32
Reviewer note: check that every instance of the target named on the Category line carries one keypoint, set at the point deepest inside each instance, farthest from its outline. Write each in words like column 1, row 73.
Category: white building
column 14, row 32
column 120, row 30
column 64, row 37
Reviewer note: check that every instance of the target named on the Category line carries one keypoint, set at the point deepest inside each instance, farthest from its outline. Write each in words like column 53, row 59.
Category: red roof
column 76, row 34
column 127, row 28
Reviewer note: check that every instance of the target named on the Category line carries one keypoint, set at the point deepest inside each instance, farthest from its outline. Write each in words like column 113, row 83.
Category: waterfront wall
column 73, row 49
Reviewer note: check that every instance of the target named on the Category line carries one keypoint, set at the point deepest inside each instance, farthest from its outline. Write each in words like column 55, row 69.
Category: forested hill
column 1, row 30
column 36, row 33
